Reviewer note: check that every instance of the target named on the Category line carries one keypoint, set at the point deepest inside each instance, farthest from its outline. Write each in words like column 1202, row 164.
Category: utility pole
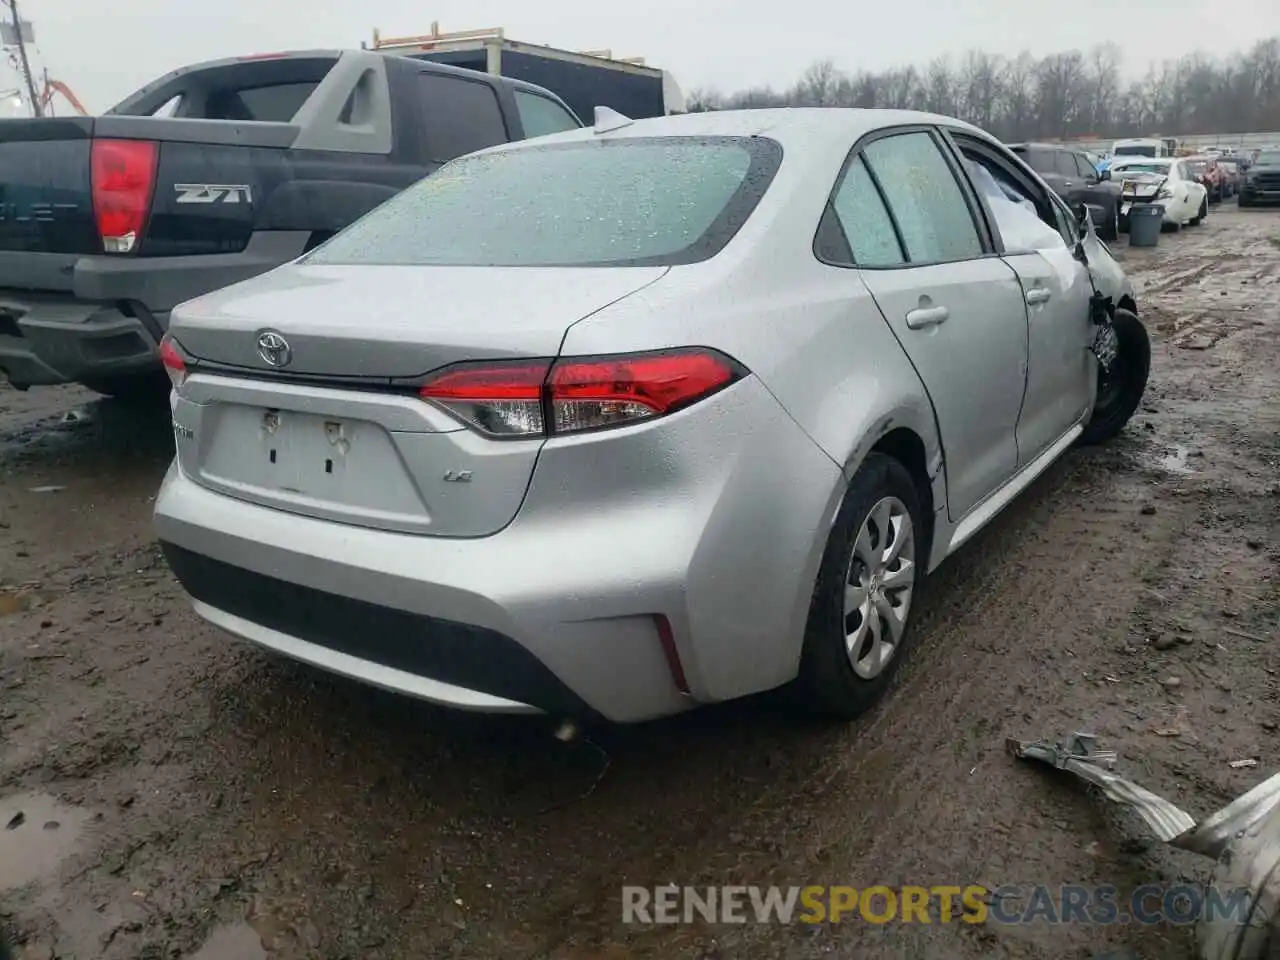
column 36, row 109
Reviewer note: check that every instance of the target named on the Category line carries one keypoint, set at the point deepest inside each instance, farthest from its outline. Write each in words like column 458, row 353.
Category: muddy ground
column 184, row 795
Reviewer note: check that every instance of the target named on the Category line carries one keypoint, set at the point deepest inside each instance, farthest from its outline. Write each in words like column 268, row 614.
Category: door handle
column 927, row 317
column 1038, row 295
column 1068, row 183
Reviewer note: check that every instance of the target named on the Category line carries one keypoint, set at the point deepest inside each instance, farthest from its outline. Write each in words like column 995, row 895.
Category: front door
column 1038, row 235
column 1060, row 369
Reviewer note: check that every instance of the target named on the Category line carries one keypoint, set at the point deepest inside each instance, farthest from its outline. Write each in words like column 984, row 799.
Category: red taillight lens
column 174, row 364
column 123, row 176
column 500, row 399
column 515, row 399
column 607, row 392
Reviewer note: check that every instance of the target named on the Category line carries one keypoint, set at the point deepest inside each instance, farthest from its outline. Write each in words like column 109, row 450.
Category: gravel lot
column 184, row 795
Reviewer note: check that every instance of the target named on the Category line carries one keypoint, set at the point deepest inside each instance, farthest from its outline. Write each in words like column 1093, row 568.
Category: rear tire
column 139, row 389
column 859, row 618
column 1111, row 232
column 1120, row 392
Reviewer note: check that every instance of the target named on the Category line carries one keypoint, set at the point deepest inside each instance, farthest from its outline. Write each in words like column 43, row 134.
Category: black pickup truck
column 208, row 176
column 1073, row 177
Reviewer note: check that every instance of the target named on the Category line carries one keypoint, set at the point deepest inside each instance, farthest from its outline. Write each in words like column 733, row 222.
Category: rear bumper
column 1162, row 204
column 66, row 318
column 46, row 340
column 718, row 533
column 1260, row 193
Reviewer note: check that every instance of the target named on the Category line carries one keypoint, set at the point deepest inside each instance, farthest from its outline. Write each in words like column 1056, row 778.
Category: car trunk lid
column 337, row 431
column 1140, row 185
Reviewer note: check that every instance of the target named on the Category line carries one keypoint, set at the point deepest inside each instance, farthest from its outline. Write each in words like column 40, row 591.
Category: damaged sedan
column 650, row 415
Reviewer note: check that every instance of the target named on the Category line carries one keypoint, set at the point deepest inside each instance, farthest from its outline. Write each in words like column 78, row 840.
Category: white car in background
column 1165, row 181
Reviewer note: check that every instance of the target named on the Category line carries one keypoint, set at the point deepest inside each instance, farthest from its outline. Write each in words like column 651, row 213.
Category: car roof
column 1133, row 161
column 798, row 126
column 1044, row 146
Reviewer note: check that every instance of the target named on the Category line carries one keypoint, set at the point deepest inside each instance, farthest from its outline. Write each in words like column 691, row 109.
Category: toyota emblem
column 274, row 349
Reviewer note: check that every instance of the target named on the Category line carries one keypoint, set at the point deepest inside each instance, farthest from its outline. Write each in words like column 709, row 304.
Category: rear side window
column 457, row 116
column 925, row 198
column 1065, row 163
column 652, row 201
column 1041, row 161
column 864, row 219
column 540, row 116
column 1083, row 167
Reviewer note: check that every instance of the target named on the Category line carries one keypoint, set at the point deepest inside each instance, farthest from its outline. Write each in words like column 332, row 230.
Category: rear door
column 956, row 309
column 456, row 115
column 1044, row 161
column 1061, row 372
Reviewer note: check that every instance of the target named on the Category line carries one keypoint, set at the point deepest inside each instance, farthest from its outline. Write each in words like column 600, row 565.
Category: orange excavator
column 57, row 86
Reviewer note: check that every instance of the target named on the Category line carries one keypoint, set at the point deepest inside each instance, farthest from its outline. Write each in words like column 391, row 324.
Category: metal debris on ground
column 1243, row 838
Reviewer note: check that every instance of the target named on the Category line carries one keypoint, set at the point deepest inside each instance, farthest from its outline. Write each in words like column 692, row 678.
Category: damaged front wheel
column 1121, row 386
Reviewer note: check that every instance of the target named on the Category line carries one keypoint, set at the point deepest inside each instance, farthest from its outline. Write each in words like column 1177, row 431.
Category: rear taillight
column 123, row 176
column 174, row 364
column 576, row 394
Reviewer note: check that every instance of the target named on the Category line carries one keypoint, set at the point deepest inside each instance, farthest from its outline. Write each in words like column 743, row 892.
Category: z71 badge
column 183, row 432
column 213, row 193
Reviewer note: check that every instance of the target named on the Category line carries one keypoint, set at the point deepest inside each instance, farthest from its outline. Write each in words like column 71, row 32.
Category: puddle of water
column 233, row 941
column 36, row 834
column 1176, row 462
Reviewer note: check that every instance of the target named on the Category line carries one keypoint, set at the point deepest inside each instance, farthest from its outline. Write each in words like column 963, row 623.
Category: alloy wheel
column 878, row 587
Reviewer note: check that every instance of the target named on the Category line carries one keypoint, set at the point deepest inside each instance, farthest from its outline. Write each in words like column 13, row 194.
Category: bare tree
column 1061, row 95
column 818, row 85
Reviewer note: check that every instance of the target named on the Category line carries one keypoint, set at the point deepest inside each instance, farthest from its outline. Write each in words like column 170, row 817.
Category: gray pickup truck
column 211, row 175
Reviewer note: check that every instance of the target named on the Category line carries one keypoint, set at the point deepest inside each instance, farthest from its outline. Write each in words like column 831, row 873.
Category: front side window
column 927, row 201
column 1065, row 163
column 1136, row 150
column 657, row 201
column 1017, row 218
column 540, row 116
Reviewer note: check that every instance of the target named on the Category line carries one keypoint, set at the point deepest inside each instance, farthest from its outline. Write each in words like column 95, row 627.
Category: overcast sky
column 106, row 50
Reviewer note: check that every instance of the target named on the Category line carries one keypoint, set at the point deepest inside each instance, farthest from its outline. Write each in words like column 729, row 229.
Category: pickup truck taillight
column 123, row 175
column 520, row 399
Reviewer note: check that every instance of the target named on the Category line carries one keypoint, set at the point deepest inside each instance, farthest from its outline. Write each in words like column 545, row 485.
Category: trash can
column 1145, row 220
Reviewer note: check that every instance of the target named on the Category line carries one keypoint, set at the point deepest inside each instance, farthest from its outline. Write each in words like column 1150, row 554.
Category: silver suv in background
column 645, row 416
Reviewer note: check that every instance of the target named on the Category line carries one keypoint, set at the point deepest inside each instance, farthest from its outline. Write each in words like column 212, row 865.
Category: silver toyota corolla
column 644, row 416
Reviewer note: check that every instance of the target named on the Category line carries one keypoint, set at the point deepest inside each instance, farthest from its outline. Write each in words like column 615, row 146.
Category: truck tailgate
column 45, row 201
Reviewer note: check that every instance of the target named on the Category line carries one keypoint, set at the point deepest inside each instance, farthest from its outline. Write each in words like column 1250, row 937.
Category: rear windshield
column 1136, row 150
column 1197, row 166
column 628, row 202
column 263, row 89
column 1156, row 167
